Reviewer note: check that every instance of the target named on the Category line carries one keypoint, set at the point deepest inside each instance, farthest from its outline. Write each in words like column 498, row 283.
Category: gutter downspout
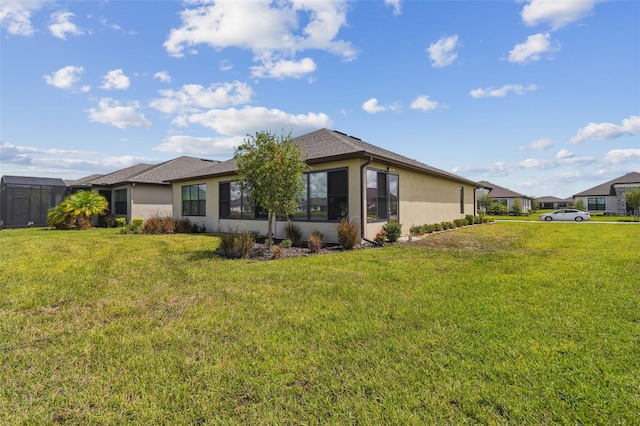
column 362, row 210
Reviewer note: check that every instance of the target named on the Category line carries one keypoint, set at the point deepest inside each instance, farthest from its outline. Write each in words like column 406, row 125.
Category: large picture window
column 596, row 203
column 382, row 195
column 235, row 204
column 120, row 201
column 324, row 196
column 194, row 200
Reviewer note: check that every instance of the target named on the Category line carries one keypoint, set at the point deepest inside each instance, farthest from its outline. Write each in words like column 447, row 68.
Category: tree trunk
column 270, row 228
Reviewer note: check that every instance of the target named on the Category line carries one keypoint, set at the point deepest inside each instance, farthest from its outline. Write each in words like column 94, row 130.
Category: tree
column 270, row 171
column 77, row 207
column 484, row 202
column 579, row 205
column 517, row 207
column 632, row 198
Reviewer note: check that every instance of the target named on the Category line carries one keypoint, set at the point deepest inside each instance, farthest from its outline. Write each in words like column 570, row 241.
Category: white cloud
column 115, row 79
column 15, row 16
column 604, row 131
column 504, row 168
column 110, row 111
column 532, row 49
column 268, row 29
column 194, row 97
column 225, row 65
column 61, row 25
column 617, row 156
column 182, row 144
column 371, row 106
column 284, row 69
column 442, row 52
column 163, row 76
column 424, row 103
column 543, row 143
column 564, row 153
column 249, row 119
column 65, row 77
column 501, row 92
column 558, row 13
column 395, row 4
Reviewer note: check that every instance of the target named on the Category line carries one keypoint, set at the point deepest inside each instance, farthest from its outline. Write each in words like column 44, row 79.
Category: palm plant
column 79, row 206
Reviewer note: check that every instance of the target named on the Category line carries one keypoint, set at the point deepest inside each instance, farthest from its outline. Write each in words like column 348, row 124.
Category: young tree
column 632, row 198
column 270, row 170
column 517, row 207
column 484, row 203
column 579, row 205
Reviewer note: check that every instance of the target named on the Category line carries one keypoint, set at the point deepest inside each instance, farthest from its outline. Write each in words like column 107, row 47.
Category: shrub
column 286, row 243
column 234, row 245
column 380, row 238
column 348, row 233
column 460, row 222
column 393, row 230
column 470, row 219
column 293, row 233
column 416, row 230
column 428, row 229
column 137, row 222
column 276, row 252
column 437, row 226
column 315, row 242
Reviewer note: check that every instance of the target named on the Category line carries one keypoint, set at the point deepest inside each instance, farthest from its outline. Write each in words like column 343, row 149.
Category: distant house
column 609, row 196
column 349, row 178
column 25, row 201
column 550, row 202
column 142, row 190
column 504, row 196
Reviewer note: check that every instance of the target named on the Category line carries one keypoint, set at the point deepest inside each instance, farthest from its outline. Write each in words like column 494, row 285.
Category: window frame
column 383, row 198
column 248, row 210
column 594, row 206
column 199, row 203
column 337, row 202
column 120, row 206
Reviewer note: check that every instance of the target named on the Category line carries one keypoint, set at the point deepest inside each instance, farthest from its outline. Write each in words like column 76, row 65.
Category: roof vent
column 353, row 137
column 341, row 133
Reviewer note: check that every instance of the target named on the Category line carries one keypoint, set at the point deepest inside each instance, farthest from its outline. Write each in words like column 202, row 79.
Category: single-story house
column 504, row 196
column 25, row 201
column 349, row 178
column 609, row 196
column 142, row 190
column 550, row 202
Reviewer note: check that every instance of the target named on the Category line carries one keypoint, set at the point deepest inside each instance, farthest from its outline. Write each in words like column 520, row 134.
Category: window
column 596, row 203
column 461, row 200
column 325, row 196
column 235, row 204
column 194, row 200
column 120, row 196
column 382, row 195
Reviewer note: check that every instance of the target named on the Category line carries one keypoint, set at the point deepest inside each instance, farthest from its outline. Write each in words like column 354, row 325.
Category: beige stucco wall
column 150, row 200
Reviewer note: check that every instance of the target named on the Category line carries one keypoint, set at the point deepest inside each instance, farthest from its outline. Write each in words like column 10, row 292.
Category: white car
column 566, row 214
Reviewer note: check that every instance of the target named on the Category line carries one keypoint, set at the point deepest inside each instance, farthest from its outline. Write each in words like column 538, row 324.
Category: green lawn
column 509, row 323
column 595, row 217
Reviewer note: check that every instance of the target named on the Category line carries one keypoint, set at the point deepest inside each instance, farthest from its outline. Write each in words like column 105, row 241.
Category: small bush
column 416, row 230
column 380, row 238
column 470, row 219
column 429, row 228
column 120, row 222
column 137, row 222
column 348, row 233
column 293, row 233
column 234, row 245
column 460, row 222
column 393, row 230
column 286, row 243
column 315, row 242
column 276, row 252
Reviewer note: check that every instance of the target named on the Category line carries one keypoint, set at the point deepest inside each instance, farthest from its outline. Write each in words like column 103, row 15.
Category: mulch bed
column 261, row 252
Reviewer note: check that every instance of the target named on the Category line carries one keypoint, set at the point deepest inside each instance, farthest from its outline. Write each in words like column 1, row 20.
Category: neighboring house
column 349, row 178
column 25, row 201
column 141, row 191
column 609, row 196
column 504, row 196
column 550, row 202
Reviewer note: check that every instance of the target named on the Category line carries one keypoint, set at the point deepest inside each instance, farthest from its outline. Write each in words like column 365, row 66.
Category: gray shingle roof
column 607, row 187
column 552, row 199
column 325, row 145
column 83, row 181
column 499, row 192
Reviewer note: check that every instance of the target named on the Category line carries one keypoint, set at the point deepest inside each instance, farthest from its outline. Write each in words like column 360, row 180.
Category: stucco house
column 551, row 202
column 504, row 196
column 609, row 196
column 142, row 190
column 348, row 178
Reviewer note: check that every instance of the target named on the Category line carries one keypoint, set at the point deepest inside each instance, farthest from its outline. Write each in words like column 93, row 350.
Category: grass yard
column 510, row 323
column 595, row 217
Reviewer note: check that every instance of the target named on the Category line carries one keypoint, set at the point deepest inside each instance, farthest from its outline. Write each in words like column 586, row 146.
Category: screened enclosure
column 25, row 201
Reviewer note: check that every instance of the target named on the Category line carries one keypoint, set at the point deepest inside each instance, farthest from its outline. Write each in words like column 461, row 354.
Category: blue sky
column 539, row 96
